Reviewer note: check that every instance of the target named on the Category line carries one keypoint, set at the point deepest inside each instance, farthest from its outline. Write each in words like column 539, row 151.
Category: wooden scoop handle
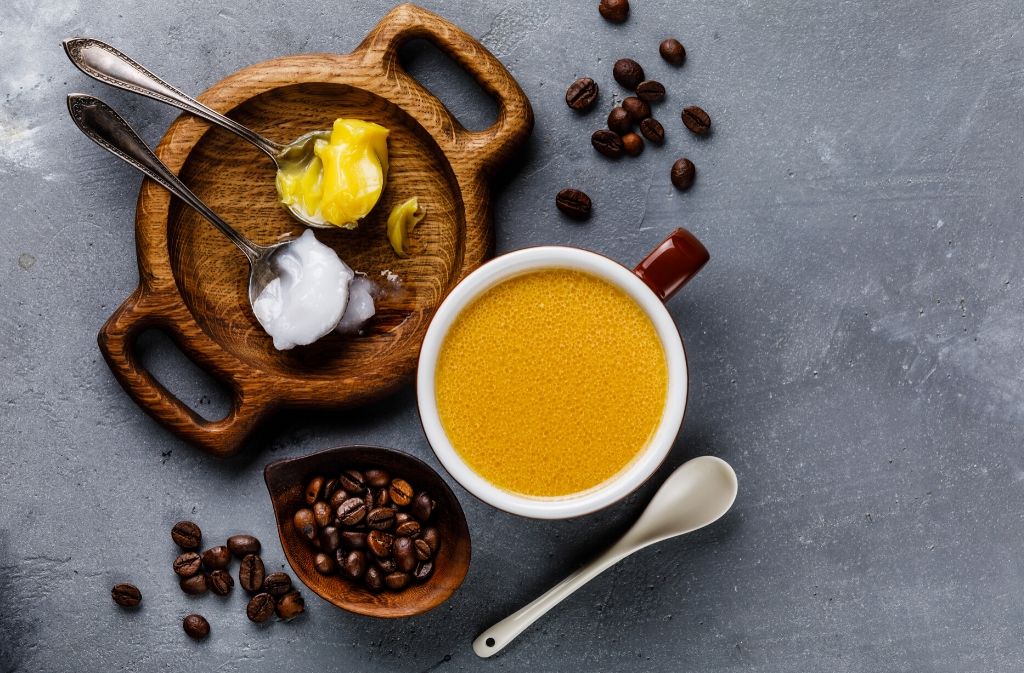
column 117, row 341
column 515, row 116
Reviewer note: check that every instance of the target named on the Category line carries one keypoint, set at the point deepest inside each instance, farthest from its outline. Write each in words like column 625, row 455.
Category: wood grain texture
column 193, row 281
column 286, row 481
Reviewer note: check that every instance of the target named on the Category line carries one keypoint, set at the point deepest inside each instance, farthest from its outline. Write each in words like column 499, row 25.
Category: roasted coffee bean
column 377, row 497
column 652, row 129
column 695, row 119
column 322, row 513
column 619, row 120
column 352, row 481
column 330, row 539
column 251, row 573
column 188, row 564
column 628, row 73
column 574, row 204
column 431, row 537
column 672, row 51
column 315, row 490
column 380, row 543
column 386, row 565
column 260, row 607
column 290, row 605
column 422, row 549
column 401, row 492
column 277, row 584
column 324, row 564
column 616, row 11
column 126, row 595
column 396, row 581
column 683, row 174
column 381, row 518
column 241, row 545
column 220, row 582
column 650, row 91
column 377, row 478
column 351, row 539
column 423, row 571
column 186, row 535
column 217, row 558
column 354, row 564
column 582, row 94
column 403, row 553
column 423, row 505
column 305, row 523
column 339, row 496
column 406, row 525
column 633, row 144
column 196, row 626
column 607, row 143
column 637, row 109
column 330, row 486
column 374, row 579
column 351, row 511
column 194, row 585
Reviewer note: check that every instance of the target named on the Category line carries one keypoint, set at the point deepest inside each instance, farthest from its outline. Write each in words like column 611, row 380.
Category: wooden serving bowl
column 193, row 282
column 287, row 480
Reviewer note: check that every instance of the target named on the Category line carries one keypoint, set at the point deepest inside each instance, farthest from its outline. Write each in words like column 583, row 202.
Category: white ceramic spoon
column 698, row 493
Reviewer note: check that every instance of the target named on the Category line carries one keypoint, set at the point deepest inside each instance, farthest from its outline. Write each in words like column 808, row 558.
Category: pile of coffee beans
column 371, row 528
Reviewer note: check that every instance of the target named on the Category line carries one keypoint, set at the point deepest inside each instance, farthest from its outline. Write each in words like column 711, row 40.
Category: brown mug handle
column 672, row 264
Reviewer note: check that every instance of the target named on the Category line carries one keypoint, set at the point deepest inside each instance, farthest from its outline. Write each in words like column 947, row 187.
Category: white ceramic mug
column 666, row 269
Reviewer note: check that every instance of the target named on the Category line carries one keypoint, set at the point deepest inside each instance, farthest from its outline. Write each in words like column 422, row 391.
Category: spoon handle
column 494, row 639
column 107, row 129
column 102, row 62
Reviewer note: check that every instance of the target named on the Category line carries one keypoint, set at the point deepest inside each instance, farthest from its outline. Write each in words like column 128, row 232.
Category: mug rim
column 647, row 460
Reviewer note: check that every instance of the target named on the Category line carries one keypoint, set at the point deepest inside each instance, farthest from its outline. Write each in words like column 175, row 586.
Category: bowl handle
column 492, row 146
column 672, row 264
column 117, row 340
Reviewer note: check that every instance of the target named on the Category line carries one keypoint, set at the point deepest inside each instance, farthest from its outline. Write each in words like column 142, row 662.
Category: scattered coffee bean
column 615, row 11
column 423, row 505
column 381, row 497
column 315, row 490
column 650, row 91
column 277, row 584
column 377, row 478
column 338, row 497
column 628, row 73
column 401, row 492
column 380, row 543
column 351, row 512
column 607, row 143
column 126, row 595
column 581, row 94
column 241, row 545
column 683, row 174
column 290, row 605
column 251, row 573
column 220, row 582
column 386, row 565
column 330, row 539
column 423, row 571
column 352, row 539
column 396, row 581
column 652, row 129
column 431, row 537
column 260, row 608
column 620, row 121
column 217, row 558
column 672, row 51
column 695, row 119
column 633, row 144
column 406, row 525
column 354, row 564
column 374, row 579
column 637, row 109
column 322, row 513
column 381, row 518
column 404, row 555
column 186, row 535
column 323, row 563
column 352, row 481
column 188, row 564
column 422, row 549
column 305, row 523
column 196, row 627
column 194, row 585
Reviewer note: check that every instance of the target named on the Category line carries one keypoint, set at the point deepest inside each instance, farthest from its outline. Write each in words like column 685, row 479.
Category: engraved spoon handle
column 106, row 128
column 102, row 62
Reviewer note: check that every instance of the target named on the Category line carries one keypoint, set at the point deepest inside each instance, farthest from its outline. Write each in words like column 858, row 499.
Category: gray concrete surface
column 856, row 347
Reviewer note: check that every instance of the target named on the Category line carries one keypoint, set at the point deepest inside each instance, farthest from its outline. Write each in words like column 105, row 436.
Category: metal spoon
column 104, row 63
column 698, row 493
column 107, row 129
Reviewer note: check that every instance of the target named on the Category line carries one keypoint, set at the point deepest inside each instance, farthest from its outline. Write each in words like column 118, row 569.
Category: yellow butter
column 403, row 218
column 343, row 181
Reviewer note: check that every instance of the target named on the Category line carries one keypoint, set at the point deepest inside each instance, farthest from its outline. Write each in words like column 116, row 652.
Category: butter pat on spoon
column 697, row 494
